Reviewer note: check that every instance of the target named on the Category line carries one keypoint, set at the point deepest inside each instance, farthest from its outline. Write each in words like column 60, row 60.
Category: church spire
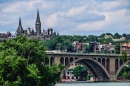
column 38, row 17
column 38, row 23
column 19, row 29
column 20, row 21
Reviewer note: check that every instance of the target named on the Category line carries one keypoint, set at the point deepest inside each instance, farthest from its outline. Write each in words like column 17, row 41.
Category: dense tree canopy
column 105, row 40
column 125, row 72
column 64, row 42
column 109, row 34
column 80, row 71
column 102, row 35
column 60, row 43
column 31, row 49
column 117, row 36
column 23, row 63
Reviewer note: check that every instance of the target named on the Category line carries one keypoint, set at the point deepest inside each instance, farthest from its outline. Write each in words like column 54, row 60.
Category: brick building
column 125, row 47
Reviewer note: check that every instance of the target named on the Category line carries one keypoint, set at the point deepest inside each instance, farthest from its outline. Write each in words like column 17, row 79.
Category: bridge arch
column 62, row 60
column 66, row 61
column 103, row 62
column 99, row 60
column 121, row 67
column 87, row 68
column 96, row 68
column 71, row 59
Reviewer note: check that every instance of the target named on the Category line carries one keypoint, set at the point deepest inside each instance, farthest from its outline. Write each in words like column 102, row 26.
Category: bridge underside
column 98, row 73
column 103, row 67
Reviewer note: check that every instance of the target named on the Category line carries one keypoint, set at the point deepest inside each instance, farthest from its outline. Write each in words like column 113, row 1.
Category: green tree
column 116, row 36
column 102, row 35
column 15, row 72
column 80, row 71
column 88, row 76
column 50, row 44
column 117, row 47
column 124, row 56
column 124, row 35
column 31, row 49
column 109, row 34
column 59, row 46
column 27, row 62
column 87, row 48
column 51, row 74
column 124, row 73
column 92, row 38
column 105, row 40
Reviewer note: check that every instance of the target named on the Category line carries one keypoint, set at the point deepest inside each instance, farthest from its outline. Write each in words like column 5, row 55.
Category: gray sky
column 68, row 17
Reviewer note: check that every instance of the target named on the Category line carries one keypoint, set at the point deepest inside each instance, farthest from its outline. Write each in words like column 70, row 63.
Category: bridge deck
column 81, row 54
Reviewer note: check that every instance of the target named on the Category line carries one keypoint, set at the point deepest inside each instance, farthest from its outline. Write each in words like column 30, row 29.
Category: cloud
column 86, row 17
column 52, row 20
column 68, row 16
column 115, row 5
column 115, row 21
column 76, row 11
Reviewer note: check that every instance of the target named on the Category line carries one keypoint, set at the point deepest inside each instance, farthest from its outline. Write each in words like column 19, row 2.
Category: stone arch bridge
column 102, row 66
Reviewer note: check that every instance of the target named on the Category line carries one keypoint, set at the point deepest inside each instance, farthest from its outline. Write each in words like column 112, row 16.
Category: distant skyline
column 68, row 17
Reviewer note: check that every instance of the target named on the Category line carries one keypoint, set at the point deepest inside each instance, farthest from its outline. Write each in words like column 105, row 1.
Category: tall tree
column 27, row 61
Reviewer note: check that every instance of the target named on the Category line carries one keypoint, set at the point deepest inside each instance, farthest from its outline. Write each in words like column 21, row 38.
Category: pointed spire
column 38, row 23
column 38, row 17
column 19, row 29
column 20, row 24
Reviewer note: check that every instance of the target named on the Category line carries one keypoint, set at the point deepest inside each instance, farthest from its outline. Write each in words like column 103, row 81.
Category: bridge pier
column 112, row 78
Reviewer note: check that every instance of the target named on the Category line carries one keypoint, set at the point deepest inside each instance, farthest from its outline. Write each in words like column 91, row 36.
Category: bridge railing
column 59, row 52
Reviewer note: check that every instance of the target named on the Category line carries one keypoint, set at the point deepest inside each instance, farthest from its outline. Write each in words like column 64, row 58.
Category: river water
column 95, row 84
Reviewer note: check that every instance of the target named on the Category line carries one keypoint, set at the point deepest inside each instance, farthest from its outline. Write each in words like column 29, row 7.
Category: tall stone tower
column 19, row 29
column 38, row 23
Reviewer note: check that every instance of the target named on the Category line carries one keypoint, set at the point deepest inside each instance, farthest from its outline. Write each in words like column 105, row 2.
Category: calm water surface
column 95, row 84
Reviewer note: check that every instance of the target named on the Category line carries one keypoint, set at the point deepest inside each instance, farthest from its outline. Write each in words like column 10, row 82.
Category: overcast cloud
column 68, row 17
